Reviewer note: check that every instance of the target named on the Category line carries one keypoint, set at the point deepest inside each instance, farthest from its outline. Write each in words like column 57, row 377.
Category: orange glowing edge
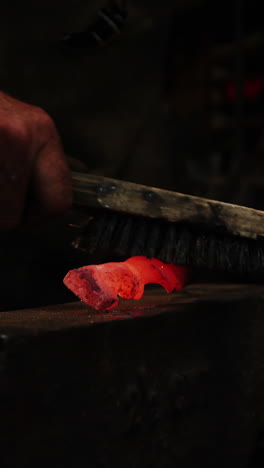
column 100, row 285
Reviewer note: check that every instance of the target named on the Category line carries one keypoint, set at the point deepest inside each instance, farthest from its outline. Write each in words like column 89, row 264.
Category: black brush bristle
column 126, row 235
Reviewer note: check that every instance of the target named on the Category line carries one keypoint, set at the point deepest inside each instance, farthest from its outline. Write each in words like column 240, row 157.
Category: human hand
column 34, row 176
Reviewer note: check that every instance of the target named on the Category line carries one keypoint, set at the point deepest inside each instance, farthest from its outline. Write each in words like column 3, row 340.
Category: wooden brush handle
column 91, row 191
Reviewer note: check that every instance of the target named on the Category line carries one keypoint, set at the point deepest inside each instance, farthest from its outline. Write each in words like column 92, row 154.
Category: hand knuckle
column 45, row 121
column 13, row 131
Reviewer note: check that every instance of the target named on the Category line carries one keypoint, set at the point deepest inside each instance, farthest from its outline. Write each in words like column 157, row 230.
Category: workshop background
column 175, row 100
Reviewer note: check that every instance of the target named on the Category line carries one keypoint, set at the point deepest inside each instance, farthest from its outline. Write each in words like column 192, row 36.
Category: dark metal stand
column 170, row 381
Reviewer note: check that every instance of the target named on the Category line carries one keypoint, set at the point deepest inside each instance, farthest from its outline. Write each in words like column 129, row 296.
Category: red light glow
column 100, row 285
column 251, row 89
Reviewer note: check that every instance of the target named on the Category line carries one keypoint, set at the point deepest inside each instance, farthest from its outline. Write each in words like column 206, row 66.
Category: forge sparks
column 100, row 285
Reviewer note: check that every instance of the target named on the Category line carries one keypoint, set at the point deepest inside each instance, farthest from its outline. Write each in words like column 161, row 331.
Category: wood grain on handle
column 93, row 191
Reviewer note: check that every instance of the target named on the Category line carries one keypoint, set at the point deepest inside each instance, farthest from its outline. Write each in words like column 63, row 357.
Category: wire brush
column 131, row 219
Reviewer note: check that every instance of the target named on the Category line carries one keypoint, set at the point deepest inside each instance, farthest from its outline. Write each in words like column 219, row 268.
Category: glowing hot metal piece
column 100, row 285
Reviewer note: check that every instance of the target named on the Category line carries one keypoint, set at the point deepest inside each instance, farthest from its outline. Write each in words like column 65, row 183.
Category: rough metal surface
column 173, row 380
column 154, row 302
